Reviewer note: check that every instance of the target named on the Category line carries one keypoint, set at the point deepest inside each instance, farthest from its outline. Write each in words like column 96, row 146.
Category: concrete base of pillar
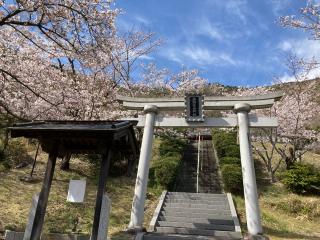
column 139, row 236
column 255, row 237
column 135, row 230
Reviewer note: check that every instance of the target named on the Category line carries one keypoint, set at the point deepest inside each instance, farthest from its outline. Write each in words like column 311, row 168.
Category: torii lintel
column 209, row 103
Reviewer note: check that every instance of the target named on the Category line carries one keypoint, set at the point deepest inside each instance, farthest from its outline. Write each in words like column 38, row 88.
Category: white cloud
column 278, row 6
column 237, row 8
column 285, row 78
column 204, row 56
column 146, row 57
column 123, row 24
column 142, row 20
column 304, row 48
column 128, row 24
column 200, row 55
column 207, row 28
column 315, row 73
column 285, row 46
column 228, row 59
column 172, row 54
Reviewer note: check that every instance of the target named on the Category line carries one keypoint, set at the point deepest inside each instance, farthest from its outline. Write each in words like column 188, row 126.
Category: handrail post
column 198, row 164
column 202, row 149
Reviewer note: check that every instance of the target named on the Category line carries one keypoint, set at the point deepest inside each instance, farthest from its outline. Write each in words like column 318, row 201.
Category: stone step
column 197, row 201
column 221, row 220
column 192, row 157
column 191, row 197
column 212, row 206
column 198, row 226
column 212, row 200
column 197, row 196
column 191, row 211
column 202, row 201
column 159, row 236
column 203, row 232
column 216, row 215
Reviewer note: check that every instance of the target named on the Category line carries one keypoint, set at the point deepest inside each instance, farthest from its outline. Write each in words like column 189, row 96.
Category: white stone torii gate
column 241, row 105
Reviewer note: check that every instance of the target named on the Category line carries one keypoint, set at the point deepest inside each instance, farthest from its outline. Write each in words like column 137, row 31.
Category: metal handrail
column 198, row 164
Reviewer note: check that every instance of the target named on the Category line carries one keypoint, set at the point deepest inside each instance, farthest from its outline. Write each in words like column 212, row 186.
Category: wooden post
column 105, row 164
column 35, row 160
column 133, row 161
column 44, row 194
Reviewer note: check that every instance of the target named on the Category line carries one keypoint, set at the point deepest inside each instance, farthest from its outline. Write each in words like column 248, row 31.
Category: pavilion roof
column 76, row 136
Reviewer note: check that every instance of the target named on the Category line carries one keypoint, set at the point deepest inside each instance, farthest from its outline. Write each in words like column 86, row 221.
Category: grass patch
column 285, row 215
column 66, row 217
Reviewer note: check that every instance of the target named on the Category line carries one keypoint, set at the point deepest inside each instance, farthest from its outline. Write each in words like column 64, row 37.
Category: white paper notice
column 77, row 189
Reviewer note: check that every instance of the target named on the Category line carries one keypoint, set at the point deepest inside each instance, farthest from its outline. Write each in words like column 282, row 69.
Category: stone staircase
column 192, row 216
column 184, row 214
column 209, row 181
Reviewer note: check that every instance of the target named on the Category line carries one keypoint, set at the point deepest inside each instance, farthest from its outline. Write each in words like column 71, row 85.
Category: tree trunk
column 35, row 160
column 290, row 159
column 6, row 140
column 273, row 177
column 65, row 164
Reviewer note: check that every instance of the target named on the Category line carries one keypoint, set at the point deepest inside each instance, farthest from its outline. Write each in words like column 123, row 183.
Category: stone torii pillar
column 248, row 174
column 137, row 212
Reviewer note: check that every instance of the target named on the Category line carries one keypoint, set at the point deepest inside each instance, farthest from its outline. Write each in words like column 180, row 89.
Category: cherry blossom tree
column 133, row 46
column 162, row 82
column 308, row 19
column 297, row 108
column 299, row 105
column 66, row 60
column 46, row 52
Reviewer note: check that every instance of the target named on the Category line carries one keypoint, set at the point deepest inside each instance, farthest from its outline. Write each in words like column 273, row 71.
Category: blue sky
column 233, row 42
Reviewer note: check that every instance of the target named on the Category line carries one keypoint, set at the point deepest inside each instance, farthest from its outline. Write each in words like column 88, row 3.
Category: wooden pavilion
column 59, row 138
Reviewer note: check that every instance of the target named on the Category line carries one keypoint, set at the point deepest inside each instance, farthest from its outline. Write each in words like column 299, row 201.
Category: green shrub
column 165, row 170
column 152, row 179
column 302, row 178
column 232, row 151
column 4, row 164
column 225, row 142
column 229, row 155
column 169, row 145
column 15, row 153
column 262, row 176
column 232, row 178
column 221, row 137
column 228, row 150
column 229, row 160
column 172, row 154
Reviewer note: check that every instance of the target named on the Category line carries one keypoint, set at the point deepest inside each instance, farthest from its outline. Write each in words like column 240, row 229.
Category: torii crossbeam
column 194, row 107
